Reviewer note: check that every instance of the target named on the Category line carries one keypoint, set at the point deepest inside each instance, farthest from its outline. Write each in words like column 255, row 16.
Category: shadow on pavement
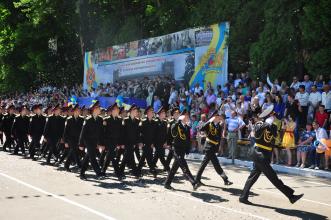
column 233, row 191
column 205, row 197
column 293, row 212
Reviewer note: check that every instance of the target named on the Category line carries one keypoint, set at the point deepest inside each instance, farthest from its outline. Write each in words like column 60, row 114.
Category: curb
column 279, row 168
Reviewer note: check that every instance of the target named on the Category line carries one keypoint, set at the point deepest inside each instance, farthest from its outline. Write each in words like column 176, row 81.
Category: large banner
column 198, row 55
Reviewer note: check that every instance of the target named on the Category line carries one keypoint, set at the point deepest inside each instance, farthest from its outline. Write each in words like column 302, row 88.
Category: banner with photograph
column 197, row 55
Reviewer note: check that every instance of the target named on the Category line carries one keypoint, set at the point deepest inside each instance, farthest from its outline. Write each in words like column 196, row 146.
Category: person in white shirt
column 303, row 97
column 261, row 95
column 307, row 83
column 227, row 107
column 197, row 88
column 316, row 157
column 173, row 96
column 314, row 101
column 275, row 84
column 326, row 98
column 295, row 83
column 314, row 97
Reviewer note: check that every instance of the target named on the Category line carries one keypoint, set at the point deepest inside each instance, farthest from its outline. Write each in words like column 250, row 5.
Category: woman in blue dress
column 304, row 144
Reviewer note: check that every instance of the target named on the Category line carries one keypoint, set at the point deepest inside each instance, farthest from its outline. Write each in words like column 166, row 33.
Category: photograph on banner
column 197, row 55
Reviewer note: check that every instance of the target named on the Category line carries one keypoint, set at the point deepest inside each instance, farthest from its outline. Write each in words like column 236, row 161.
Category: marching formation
column 96, row 137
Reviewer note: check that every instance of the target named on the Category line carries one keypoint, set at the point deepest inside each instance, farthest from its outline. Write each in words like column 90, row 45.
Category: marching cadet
column 161, row 139
column 91, row 137
column 53, row 132
column 113, row 138
column 132, row 137
column 71, row 135
column 7, row 125
column 147, row 128
column 20, row 130
column 213, row 131
column 62, row 151
column 174, row 117
column 137, row 147
column 120, row 150
column 181, row 133
column 36, row 129
column 44, row 146
column 265, row 136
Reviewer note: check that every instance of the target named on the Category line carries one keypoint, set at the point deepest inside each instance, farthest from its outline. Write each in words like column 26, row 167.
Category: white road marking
column 58, row 197
column 221, row 207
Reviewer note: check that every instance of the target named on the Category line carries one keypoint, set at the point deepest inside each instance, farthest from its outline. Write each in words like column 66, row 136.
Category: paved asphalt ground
column 31, row 190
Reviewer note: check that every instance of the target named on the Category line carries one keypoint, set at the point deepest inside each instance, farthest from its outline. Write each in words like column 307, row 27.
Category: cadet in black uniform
column 113, row 132
column 147, row 128
column 91, row 137
column 7, row 125
column 161, row 139
column 181, row 133
column 265, row 136
column 20, row 130
column 213, row 132
column 174, row 117
column 44, row 145
column 71, row 135
column 36, row 129
column 61, row 149
column 54, row 132
column 131, row 138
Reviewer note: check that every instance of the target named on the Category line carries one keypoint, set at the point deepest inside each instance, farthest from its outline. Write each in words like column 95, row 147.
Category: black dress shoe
column 100, row 177
column 67, row 169
column 82, row 177
column 245, row 201
column 197, row 185
column 168, row 187
column 295, row 198
column 228, row 183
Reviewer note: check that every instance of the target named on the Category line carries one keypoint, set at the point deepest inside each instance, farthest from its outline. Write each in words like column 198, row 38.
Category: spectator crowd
column 302, row 108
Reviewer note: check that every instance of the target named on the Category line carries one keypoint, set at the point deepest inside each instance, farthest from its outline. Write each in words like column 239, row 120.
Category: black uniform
column 113, row 131
column 91, row 136
column 36, row 129
column 71, row 135
column 7, row 125
column 160, row 140
column 170, row 141
column 147, row 131
column 214, row 133
column 131, row 139
column 182, row 143
column 53, row 133
column 20, row 132
column 265, row 135
column 62, row 151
